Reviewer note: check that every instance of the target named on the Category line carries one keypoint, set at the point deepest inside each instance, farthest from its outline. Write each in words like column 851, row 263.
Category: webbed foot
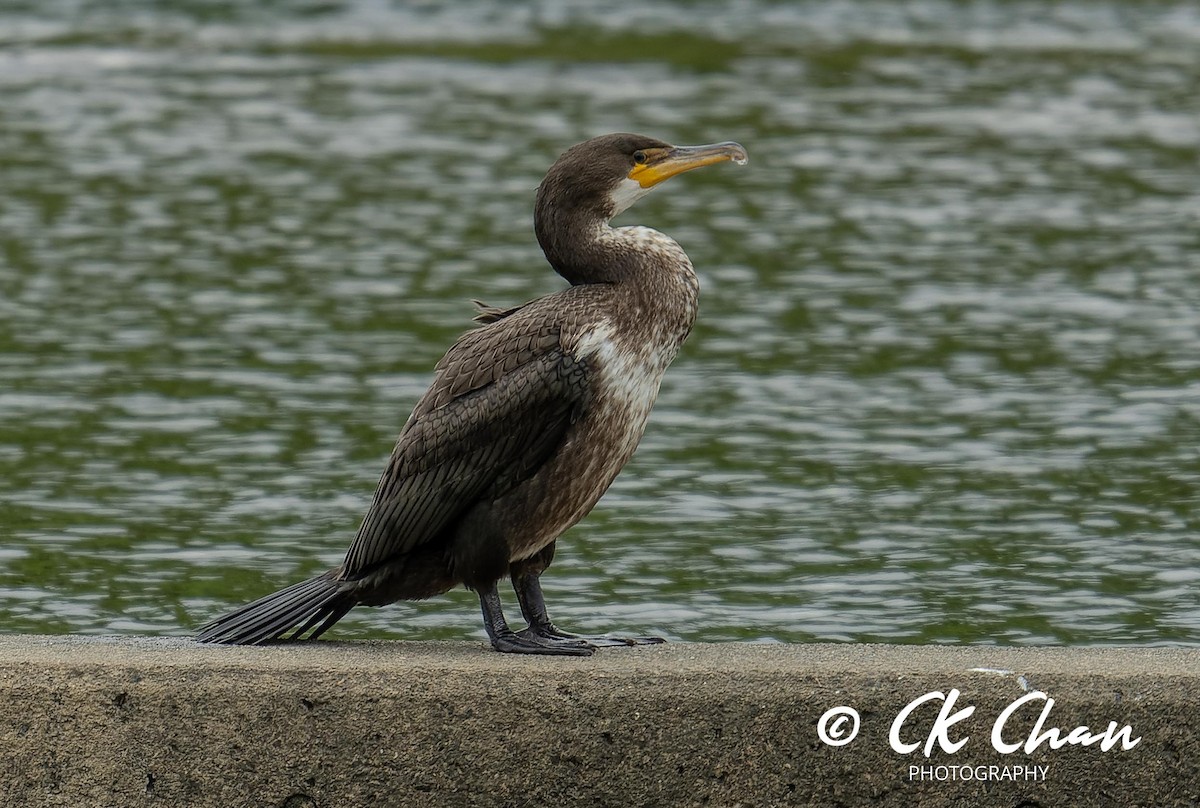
column 549, row 632
column 507, row 641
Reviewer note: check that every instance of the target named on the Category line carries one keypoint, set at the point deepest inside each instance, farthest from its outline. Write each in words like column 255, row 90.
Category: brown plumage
column 529, row 417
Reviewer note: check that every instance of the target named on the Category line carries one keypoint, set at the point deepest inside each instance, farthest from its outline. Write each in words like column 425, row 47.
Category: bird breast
column 627, row 375
column 626, row 335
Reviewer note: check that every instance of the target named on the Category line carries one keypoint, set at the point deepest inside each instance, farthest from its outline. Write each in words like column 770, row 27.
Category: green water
column 945, row 386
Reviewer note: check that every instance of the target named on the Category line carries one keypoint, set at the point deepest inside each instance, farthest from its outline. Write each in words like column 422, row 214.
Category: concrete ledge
column 108, row 722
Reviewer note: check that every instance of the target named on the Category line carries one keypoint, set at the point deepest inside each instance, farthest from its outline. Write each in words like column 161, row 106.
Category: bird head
column 594, row 181
column 605, row 175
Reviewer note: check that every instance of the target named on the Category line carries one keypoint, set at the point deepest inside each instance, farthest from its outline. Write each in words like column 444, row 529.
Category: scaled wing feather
column 469, row 439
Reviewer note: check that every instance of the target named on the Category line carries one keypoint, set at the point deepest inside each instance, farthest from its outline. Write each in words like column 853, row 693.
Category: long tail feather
column 317, row 600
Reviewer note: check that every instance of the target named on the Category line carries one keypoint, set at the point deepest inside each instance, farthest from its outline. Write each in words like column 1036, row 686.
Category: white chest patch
column 631, row 379
column 593, row 339
column 627, row 378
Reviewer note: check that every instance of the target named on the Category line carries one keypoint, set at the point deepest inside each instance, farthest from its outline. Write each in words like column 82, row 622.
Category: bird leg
column 505, row 640
column 533, row 607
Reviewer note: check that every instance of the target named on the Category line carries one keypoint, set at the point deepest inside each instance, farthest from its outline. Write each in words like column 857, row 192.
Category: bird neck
column 653, row 290
column 587, row 249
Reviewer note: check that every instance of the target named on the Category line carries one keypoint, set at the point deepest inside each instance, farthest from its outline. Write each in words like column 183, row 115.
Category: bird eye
column 639, row 158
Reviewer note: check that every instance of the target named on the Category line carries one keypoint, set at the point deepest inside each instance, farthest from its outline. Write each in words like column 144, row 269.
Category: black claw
column 506, row 641
column 563, row 640
column 511, row 643
column 541, row 636
column 551, row 631
column 604, row 640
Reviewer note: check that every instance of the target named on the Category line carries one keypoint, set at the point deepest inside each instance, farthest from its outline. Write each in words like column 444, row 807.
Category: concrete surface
column 136, row 722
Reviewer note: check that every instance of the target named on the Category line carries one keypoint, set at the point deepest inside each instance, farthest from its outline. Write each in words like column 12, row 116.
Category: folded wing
column 500, row 405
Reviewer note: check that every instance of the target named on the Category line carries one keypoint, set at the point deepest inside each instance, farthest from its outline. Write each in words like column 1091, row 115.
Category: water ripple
column 945, row 386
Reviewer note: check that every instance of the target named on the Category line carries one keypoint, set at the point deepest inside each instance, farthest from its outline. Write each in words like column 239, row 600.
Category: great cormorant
column 529, row 417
